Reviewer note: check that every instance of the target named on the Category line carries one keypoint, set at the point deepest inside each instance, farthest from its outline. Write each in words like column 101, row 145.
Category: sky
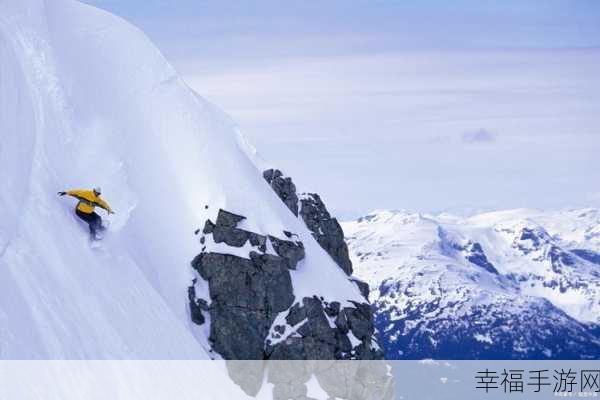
column 427, row 106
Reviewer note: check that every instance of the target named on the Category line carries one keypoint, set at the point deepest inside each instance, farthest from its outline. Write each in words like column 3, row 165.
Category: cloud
column 480, row 135
column 434, row 122
column 595, row 196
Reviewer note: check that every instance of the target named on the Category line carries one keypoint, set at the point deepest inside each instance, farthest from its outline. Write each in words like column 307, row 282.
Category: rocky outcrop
column 245, row 293
column 253, row 311
column 318, row 330
column 284, row 187
column 325, row 229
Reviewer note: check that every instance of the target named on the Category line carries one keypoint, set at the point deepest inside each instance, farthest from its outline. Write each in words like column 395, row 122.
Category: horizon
column 427, row 107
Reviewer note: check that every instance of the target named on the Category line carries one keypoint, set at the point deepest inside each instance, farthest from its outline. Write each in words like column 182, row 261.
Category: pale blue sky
column 422, row 105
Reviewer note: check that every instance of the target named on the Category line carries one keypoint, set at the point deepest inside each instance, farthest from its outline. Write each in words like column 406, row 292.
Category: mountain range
column 515, row 284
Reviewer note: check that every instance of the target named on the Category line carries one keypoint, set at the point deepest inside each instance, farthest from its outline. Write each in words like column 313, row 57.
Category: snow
column 353, row 339
column 483, row 338
column 86, row 100
column 422, row 255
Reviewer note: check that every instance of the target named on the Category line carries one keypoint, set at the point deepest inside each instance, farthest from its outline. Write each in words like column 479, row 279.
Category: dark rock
column 363, row 287
column 587, row 255
column 195, row 308
column 291, row 251
column 231, row 236
column 261, row 284
column 343, row 344
column 476, row 255
column 341, row 322
column 302, row 348
column 208, row 227
column 238, row 333
column 279, row 329
column 364, row 351
column 317, row 339
column 332, row 309
column 284, row 188
column 326, row 230
column 225, row 218
column 258, row 240
column 360, row 320
column 225, row 231
column 317, row 325
column 203, row 304
column 296, row 314
column 560, row 258
column 247, row 294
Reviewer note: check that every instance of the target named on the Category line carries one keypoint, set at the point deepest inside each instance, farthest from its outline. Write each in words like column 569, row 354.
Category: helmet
column 97, row 190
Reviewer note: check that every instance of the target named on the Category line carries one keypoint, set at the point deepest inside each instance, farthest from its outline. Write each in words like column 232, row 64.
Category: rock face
column 253, row 311
column 284, row 187
column 325, row 229
column 324, row 331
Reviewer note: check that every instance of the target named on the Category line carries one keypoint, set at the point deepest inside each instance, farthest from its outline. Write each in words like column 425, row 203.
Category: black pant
column 93, row 220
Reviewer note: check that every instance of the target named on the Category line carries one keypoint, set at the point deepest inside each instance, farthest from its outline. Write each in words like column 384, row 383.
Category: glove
column 62, row 193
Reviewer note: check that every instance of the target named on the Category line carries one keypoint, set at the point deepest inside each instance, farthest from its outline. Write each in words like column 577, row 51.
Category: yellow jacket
column 88, row 201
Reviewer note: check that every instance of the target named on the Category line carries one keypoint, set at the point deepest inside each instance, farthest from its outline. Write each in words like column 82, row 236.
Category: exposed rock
column 360, row 320
column 317, row 338
column 296, row 314
column 343, row 344
column 208, row 227
column 284, row 187
column 333, row 309
column 362, row 286
column 587, row 255
column 195, row 308
column 341, row 322
column 231, row 236
column 326, row 230
column 227, row 219
column 292, row 251
column 280, row 329
column 248, row 294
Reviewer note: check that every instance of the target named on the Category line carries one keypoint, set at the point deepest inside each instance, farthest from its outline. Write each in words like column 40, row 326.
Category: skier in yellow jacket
column 88, row 201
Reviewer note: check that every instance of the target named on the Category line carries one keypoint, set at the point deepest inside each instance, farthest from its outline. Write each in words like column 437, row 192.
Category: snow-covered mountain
column 87, row 100
column 511, row 284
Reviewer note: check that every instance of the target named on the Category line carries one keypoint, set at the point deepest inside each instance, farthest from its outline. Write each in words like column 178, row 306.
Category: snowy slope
column 86, row 100
column 509, row 284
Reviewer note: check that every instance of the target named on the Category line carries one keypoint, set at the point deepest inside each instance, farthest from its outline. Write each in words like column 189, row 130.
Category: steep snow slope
column 85, row 100
column 496, row 285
